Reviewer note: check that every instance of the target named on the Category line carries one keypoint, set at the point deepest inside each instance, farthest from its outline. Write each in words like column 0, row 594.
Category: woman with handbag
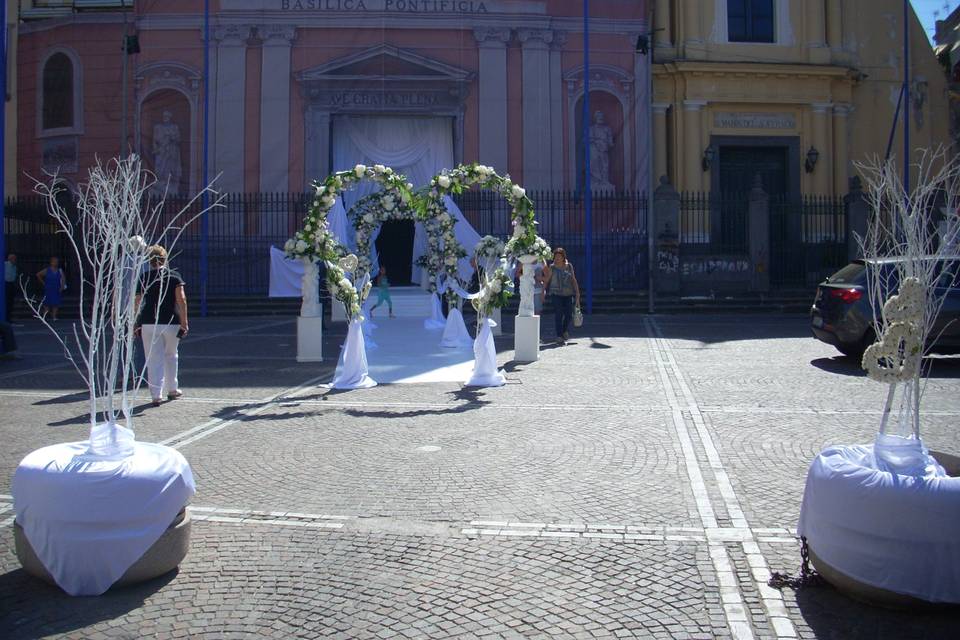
column 560, row 282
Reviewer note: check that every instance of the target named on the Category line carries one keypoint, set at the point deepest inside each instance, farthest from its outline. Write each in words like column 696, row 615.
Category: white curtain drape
column 416, row 147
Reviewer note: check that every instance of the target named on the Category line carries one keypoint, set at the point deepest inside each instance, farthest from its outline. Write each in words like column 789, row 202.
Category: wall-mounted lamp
column 708, row 155
column 812, row 156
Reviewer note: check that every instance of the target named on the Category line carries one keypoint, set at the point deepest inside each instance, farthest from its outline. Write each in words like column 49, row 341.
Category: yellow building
column 797, row 91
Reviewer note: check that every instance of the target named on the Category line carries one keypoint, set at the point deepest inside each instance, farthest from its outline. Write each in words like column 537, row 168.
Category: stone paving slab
column 595, row 466
column 622, row 486
column 303, row 583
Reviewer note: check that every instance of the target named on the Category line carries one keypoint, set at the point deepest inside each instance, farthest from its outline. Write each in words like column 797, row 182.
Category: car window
column 949, row 277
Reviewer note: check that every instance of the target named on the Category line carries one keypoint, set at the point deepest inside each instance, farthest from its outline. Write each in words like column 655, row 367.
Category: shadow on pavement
column 831, row 614
column 939, row 367
column 32, row 608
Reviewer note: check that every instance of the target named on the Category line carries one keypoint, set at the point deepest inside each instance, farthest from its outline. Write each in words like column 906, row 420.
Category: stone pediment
column 384, row 63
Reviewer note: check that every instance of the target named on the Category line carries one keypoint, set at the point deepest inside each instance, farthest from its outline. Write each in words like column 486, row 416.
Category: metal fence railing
column 245, row 225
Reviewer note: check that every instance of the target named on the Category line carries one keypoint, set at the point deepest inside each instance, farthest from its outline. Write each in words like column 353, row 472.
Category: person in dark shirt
column 162, row 323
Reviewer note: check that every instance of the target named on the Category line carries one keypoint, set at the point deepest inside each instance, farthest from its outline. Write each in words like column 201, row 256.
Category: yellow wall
column 832, row 76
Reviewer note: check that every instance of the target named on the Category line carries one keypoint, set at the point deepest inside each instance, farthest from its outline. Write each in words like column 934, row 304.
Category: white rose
column 334, row 289
column 368, row 218
column 359, row 170
column 443, row 181
column 410, row 186
column 388, row 170
column 444, row 217
column 495, row 286
column 379, row 168
column 450, row 261
column 328, row 200
column 519, row 230
column 290, row 244
column 518, row 191
column 387, row 203
column 344, row 283
column 301, row 246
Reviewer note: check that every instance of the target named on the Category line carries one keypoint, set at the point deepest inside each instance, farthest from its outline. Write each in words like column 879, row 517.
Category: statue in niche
column 166, row 156
column 601, row 142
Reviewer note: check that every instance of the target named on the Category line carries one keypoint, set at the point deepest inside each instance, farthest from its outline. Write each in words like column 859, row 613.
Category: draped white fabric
column 90, row 518
column 485, row 373
column 455, row 332
column 286, row 275
column 340, row 226
column 353, row 372
column 436, row 321
column 419, row 148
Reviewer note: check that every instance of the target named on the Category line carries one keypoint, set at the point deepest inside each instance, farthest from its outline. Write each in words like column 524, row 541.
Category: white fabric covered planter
column 485, row 373
column 353, row 372
column 886, row 530
column 89, row 518
column 455, row 334
column 436, row 321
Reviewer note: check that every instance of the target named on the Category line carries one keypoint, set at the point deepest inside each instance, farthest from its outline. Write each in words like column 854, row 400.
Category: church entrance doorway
column 395, row 251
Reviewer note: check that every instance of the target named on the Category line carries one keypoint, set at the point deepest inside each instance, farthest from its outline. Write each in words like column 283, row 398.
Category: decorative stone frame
column 174, row 76
column 782, row 29
column 622, row 86
column 77, row 128
column 443, row 90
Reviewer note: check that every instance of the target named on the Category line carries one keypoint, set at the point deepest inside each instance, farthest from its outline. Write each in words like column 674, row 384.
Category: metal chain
column 808, row 577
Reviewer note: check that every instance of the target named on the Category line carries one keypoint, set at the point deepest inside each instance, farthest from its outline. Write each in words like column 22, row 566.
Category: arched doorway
column 395, row 250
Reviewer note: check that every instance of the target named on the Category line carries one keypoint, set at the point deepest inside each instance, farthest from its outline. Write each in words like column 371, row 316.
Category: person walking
column 560, row 281
column 53, row 283
column 383, row 292
column 10, row 273
column 162, row 323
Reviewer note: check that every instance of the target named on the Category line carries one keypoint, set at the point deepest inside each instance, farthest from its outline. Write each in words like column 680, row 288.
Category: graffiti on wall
column 707, row 266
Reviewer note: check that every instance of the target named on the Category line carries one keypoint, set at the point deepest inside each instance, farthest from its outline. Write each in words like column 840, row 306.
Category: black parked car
column 842, row 314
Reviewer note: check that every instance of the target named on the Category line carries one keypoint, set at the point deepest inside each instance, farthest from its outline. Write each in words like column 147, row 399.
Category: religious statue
column 601, row 141
column 166, row 155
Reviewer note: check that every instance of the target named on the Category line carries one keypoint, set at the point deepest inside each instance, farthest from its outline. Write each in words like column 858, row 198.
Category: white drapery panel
column 419, row 148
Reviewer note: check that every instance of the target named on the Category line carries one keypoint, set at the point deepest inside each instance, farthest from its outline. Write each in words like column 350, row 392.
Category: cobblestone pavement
column 642, row 481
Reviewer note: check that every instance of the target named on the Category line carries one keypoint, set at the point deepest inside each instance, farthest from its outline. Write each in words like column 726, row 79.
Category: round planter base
column 875, row 596
column 162, row 557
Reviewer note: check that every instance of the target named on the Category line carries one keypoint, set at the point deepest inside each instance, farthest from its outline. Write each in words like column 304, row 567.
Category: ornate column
column 693, row 144
column 822, row 173
column 841, row 144
column 660, row 139
column 231, row 88
column 692, row 37
column 492, row 96
column 556, row 110
column 536, row 107
column 815, row 31
column 835, row 25
column 275, row 107
column 661, row 21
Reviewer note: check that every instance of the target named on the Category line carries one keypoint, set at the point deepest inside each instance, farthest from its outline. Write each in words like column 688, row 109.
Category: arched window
column 59, row 93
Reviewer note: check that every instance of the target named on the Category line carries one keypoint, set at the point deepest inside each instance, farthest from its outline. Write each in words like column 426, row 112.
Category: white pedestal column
column 495, row 316
column 526, row 339
column 310, row 322
column 310, row 339
column 526, row 334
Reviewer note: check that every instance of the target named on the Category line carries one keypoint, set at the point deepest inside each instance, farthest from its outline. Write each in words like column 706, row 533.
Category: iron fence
column 808, row 239
column 243, row 227
column 618, row 229
column 714, row 223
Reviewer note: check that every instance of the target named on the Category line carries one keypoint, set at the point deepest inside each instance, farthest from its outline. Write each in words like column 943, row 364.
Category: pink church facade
column 503, row 77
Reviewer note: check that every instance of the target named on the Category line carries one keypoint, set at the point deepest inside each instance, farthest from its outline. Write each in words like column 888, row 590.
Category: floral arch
column 397, row 201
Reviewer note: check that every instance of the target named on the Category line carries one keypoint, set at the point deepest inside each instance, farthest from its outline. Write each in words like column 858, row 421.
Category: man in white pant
column 163, row 321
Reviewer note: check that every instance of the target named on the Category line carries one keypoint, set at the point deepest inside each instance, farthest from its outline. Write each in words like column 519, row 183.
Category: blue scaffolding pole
column 587, row 193
column 205, row 200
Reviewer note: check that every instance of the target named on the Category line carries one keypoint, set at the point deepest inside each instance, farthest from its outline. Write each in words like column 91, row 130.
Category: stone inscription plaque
column 756, row 120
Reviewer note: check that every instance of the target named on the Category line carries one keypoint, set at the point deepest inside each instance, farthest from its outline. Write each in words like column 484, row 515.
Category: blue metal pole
column 587, row 193
column 204, row 201
column 906, row 95
column 3, row 147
